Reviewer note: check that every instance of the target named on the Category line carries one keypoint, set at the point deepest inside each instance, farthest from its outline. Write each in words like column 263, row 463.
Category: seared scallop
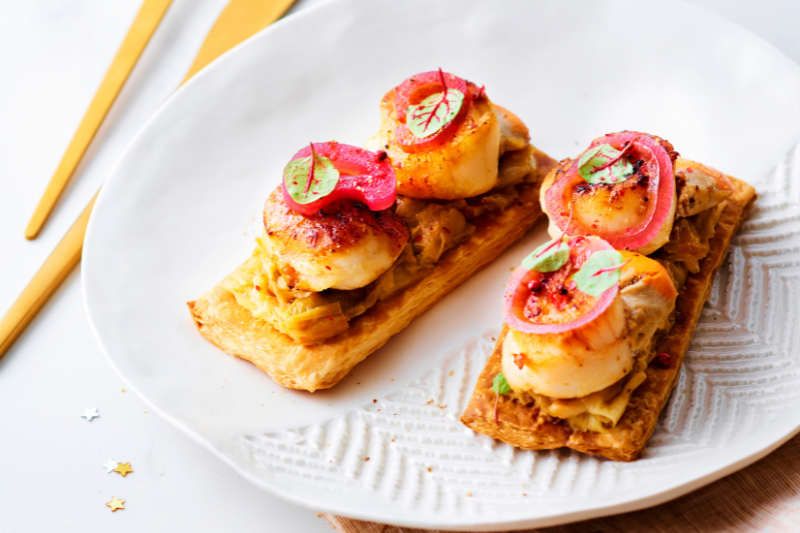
column 462, row 167
column 590, row 358
column 342, row 246
column 571, row 364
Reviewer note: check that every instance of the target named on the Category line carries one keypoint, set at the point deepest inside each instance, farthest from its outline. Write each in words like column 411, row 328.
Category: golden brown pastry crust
column 523, row 426
column 233, row 329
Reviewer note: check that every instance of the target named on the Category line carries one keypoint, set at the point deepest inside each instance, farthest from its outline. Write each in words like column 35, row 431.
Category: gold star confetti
column 123, row 468
column 115, row 504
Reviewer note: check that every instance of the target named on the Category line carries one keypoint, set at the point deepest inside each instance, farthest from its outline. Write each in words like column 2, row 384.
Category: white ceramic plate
column 183, row 206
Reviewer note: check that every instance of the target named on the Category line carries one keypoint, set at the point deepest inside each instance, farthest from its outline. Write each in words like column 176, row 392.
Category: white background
column 53, row 54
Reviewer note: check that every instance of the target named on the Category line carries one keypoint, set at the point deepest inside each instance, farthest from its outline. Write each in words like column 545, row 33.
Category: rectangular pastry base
column 221, row 320
column 523, row 426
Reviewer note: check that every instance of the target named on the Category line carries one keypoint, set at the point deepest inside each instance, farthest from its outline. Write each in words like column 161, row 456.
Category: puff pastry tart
column 357, row 242
column 595, row 330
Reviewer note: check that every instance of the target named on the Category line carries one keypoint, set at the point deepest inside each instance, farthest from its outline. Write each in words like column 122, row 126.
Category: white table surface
column 53, row 54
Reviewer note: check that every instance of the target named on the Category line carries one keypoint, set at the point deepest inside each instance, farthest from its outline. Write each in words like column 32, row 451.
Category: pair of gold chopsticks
column 239, row 20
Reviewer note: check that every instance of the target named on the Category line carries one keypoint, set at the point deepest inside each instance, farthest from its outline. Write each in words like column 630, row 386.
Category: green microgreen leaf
column 306, row 182
column 434, row 112
column 604, row 164
column 599, row 273
column 500, row 385
column 549, row 257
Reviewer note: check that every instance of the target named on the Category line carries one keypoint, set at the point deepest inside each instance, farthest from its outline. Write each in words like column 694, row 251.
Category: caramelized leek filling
column 311, row 317
column 689, row 243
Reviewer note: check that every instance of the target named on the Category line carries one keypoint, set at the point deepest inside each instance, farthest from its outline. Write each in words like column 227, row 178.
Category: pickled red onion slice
column 523, row 290
column 363, row 176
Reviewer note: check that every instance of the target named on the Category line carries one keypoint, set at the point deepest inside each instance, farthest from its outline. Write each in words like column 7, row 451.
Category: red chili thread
column 563, row 234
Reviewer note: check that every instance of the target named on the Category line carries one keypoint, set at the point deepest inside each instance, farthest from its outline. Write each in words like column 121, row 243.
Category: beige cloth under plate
column 764, row 498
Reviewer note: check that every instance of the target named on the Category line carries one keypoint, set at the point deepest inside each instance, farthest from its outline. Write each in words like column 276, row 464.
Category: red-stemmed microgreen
column 307, row 179
column 552, row 255
column 500, row 387
column 600, row 272
column 605, row 164
column 625, row 149
column 547, row 257
column 611, row 269
column 435, row 111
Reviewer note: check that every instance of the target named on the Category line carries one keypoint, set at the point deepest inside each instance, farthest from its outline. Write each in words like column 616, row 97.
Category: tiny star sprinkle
column 110, row 466
column 115, row 504
column 88, row 414
column 123, row 468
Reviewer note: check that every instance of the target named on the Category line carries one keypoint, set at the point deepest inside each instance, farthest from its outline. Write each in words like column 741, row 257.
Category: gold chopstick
column 236, row 20
column 240, row 20
column 145, row 23
column 52, row 273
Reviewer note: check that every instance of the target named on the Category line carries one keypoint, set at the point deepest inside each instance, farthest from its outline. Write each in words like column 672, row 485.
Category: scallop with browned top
column 342, row 246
